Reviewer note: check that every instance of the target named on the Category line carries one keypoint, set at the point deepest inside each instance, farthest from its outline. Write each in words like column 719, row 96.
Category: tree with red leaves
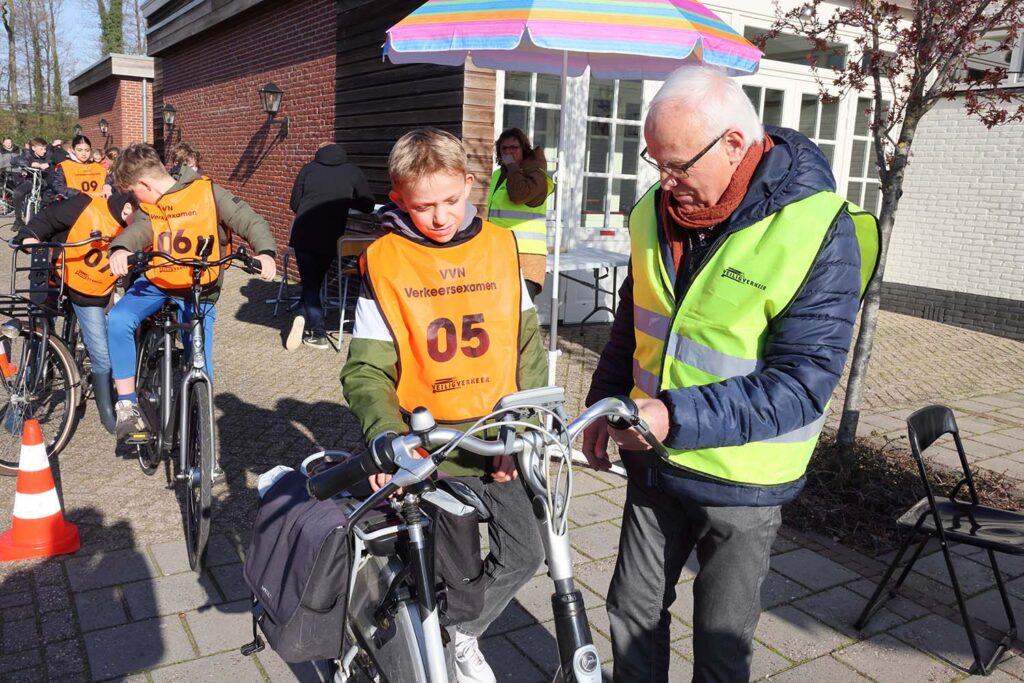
column 914, row 53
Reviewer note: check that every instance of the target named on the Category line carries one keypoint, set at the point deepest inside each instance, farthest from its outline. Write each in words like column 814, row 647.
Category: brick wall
column 212, row 80
column 119, row 101
column 957, row 250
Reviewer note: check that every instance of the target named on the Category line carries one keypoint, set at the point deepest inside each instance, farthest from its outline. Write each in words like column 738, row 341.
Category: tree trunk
column 38, row 88
column 12, row 62
column 140, row 34
column 58, row 87
column 892, row 190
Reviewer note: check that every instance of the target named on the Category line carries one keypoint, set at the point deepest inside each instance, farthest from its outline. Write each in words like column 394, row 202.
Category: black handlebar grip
column 136, row 259
column 341, row 477
column 622, row 423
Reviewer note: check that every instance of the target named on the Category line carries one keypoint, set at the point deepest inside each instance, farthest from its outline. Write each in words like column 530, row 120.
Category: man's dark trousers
column 659, row 530
column 312, row 269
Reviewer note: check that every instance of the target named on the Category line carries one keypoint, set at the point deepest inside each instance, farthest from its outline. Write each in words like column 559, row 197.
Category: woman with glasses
column 518, row 197
column 80, row 174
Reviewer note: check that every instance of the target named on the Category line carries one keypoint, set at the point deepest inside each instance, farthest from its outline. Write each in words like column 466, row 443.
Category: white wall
column 960, row 225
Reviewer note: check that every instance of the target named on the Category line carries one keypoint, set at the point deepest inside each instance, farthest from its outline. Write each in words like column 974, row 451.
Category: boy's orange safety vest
column 86, row 268
column 179, row 220
column 453, row 311
column 89, row 177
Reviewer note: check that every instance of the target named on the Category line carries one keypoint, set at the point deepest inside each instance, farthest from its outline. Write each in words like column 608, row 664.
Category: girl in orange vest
column 80, row 173
column 86, row 273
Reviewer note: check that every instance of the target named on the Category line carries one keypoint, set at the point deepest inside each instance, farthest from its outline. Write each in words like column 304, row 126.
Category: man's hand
column 268, row 268
column 655, row 414
column 504, row 469
column 119, row 262
column 595, row 445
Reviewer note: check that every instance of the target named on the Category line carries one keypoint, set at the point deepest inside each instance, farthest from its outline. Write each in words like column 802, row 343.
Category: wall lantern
column 270, row 99
column 104, row 127
column 170, row 114
column 77, row 130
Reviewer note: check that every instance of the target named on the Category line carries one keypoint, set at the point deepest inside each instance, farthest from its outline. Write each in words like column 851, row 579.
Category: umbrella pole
column 563, row 178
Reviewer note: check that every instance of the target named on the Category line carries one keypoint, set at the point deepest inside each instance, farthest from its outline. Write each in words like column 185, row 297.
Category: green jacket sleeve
column 136, row 237
column 243, row 220
column 369, row 381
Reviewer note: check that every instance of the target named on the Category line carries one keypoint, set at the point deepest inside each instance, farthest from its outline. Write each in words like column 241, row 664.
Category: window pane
column 621, row 200
column 787, row 47
column 754, row 95
column 773, row 107
column 627, row 150
column 829, row 121
column 808, row 115
column 594, row 190
column 855, row 191
column 549, row 89
column 860, row 126
column 515, row 117
column 829, row 150
column 517, row 85
column 858, row 158
column 630, row 100
column 545, row 132
column 601, row 98
column 871, row 196
column 597, row 147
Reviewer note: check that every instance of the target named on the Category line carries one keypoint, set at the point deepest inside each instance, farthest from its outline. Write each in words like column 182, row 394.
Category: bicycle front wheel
column 199, row 463
column 43, row 384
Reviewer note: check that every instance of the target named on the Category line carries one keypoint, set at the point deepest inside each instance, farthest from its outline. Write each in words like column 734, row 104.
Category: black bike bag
column 297, row 567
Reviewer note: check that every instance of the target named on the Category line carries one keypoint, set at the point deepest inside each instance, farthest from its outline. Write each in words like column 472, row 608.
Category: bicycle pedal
column 138, row 439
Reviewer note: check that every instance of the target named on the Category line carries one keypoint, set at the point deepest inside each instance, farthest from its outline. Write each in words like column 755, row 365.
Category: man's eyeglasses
column 679, row 170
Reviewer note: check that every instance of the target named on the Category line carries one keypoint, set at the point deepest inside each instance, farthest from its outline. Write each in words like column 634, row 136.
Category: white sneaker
column 294, row 338
column 470, row 665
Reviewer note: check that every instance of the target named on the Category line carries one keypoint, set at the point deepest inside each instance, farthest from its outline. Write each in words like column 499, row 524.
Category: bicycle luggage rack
column 36, row 284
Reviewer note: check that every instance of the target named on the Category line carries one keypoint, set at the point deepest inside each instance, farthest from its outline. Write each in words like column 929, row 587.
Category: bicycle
column 43, row 372
column 6, row 193
column 33, row 201
column 160, row 364
column 392, row 629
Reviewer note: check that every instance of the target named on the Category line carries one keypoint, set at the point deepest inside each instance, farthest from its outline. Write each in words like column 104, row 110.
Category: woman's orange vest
column 85, row 268
column 179, row 220
column 454, row 312
column 89, row 177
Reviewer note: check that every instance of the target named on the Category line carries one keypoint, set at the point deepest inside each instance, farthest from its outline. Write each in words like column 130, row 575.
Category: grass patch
column 856, row 497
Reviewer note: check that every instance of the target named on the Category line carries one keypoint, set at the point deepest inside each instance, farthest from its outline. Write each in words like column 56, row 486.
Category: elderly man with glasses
column 734, row 323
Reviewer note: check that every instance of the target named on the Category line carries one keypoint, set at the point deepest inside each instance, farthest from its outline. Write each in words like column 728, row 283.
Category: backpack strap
column 257, row 643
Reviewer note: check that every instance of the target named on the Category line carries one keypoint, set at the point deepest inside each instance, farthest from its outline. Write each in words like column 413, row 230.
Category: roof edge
column 119, row 65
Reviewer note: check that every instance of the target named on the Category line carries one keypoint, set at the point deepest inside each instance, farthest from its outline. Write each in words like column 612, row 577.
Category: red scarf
column 673, row 219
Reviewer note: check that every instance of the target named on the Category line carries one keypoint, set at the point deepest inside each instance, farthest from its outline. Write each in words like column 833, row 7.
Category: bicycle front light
column 11, row 329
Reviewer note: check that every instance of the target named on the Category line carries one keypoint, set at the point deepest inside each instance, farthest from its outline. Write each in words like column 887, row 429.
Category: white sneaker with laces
column 294, row 338
column 470, row 665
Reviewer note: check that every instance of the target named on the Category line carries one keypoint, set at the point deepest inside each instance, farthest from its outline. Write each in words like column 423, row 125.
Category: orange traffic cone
column 38, row 528
column 6, row 367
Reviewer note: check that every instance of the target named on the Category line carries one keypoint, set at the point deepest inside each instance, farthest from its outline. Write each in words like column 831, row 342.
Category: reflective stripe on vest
column 529, row 223
column 86, row 268
column 719, row 329
column 179, row 219
column 454, row 315
column 88, row 178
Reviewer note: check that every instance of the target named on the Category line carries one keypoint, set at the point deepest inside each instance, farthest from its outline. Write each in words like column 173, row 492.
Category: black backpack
column 297, row 568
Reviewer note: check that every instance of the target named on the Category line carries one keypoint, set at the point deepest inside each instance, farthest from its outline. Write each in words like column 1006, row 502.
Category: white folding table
column 604, row 263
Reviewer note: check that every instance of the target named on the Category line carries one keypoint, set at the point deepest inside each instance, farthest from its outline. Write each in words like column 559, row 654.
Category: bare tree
column 35, row 35
column 9, row 17
column 57, row 87
column 921, row 54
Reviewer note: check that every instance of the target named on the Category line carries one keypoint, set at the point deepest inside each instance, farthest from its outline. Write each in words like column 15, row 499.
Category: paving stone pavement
column 126, row 606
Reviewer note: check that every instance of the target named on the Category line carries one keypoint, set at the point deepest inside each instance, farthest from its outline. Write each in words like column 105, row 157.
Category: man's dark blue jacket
column 804, row 352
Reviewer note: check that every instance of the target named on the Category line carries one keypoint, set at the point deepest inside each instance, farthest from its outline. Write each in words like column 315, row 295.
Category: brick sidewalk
column 126, row 606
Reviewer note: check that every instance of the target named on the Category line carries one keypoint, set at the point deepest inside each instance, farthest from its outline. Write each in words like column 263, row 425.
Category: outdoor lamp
column 270, row 98
column 170, row 113
column 77, row 130
column 104, row 127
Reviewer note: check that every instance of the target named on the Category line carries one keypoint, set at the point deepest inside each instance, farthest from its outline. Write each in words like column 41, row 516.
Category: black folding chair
column 952, row 520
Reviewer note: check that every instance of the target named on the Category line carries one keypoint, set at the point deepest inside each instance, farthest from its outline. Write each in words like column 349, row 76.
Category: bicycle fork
column 196, row 375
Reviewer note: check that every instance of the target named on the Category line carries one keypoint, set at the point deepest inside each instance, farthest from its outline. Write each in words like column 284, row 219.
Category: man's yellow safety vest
column 528, row 223
column 720, row 327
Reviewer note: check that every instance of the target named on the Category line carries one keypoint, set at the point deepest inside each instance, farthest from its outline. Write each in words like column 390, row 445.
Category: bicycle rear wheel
column 45, row 385
column 199, row 471
column 147, row 382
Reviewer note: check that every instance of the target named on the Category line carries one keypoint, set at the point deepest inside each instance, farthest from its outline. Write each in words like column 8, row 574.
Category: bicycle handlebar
column 94, row 236
column 392, row 453
column 140, row 261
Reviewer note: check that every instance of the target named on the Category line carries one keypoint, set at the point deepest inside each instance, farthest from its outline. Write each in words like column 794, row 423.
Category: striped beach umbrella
column 626, row 39
column 617, row 39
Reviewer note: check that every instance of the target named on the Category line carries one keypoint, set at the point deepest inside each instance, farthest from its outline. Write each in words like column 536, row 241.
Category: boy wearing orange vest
column 444, row 321
column 86, row 272
column 175, row 215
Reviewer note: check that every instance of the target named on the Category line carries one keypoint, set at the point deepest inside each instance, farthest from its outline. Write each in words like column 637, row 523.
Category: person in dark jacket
column 324, row 191
column 38, row 156
column 8, row 152
column 731, row 334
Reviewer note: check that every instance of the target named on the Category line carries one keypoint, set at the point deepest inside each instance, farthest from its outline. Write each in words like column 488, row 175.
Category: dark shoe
column 104, row 403
column 294, row 338
column 317, row 341
column 131, row 426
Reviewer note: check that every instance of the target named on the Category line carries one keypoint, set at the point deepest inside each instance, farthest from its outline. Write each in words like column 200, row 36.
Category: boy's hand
column 504, row 469
column 119, row 262
column 378, row 481
column 107, row 191
column 268, row 269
